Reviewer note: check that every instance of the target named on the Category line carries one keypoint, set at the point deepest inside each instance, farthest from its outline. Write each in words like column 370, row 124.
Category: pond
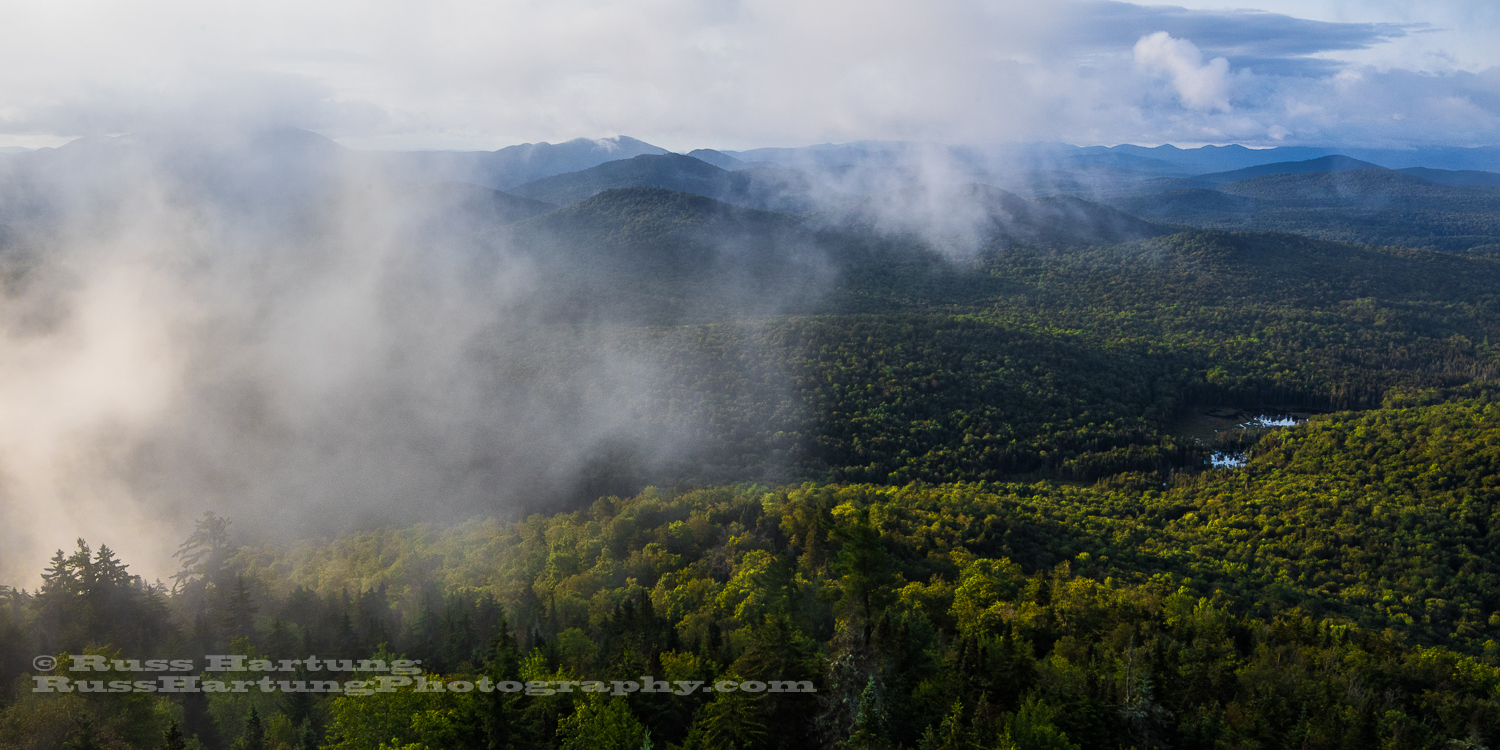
column 1225, row 427
column 1206, row 423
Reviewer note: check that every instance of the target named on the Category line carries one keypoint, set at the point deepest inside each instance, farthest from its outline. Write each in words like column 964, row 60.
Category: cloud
column 1230, row 33
column 692, row 73
column 172, row 340
column 1200, row 85
column 199, row 100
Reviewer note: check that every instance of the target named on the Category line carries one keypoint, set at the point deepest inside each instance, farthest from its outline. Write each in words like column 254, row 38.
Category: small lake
column 1205, row 423
column 1211, row 425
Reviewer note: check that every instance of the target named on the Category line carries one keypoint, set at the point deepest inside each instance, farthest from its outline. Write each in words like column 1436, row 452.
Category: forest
column 1338, row 591
column 945, row 481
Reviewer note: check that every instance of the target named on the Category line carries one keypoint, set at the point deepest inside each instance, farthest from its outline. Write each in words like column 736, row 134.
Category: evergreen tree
column 172, row 739
column 85, row 735
column 732, row 721
column 254, row 736
column 239, row 612
column 504, row 728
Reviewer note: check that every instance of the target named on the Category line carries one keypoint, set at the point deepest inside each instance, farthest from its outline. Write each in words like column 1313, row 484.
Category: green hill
column 773, row 189
column 648, row 255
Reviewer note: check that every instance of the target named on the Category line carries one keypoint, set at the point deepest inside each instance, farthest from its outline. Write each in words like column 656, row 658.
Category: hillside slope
column 974, row 214
column 771, row 189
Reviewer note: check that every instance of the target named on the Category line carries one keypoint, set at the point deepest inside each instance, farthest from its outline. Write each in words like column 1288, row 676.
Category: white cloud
column 690, row 73
column 1200, row 85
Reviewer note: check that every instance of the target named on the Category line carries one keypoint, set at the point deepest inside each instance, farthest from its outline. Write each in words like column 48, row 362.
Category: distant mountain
column 1124, row 161
column 1017, row 164
column 1369, row 206
column 718, row 159
column 1434, row 157
column 481, row 204
column 975, row 214
column 1459, row 178
column 1332, row 163
column 644, row 216
column 513, row 165
column 1206, row 159
column 1011, row 159
column 1215, row 158
column 826, row 155
column 770, row 189
column 235, row 172
column 659, row 256
column 253, row 170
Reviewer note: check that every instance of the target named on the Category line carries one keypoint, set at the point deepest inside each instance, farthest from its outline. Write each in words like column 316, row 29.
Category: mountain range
column 1038, row 193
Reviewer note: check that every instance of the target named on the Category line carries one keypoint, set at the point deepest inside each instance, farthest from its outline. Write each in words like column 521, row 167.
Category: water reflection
column 1228, row 432
column 1275, row 420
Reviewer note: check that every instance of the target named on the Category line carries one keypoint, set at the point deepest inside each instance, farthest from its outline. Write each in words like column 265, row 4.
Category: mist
column 311, row 344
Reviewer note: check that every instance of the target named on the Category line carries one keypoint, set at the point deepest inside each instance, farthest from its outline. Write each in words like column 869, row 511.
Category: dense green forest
column 1337, row 592
column 1063, row 362
column 945, row 486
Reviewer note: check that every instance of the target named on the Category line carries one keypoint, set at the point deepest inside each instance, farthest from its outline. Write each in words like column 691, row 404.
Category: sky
column 480, row 74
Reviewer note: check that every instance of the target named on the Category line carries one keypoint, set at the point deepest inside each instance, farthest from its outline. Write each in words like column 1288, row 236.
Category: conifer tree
column 172, row 739
column 254, row 736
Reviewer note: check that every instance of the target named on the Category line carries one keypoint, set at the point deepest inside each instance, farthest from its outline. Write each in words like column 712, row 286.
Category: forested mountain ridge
column 1369, row 206
column 1320, row 165
column 976, row 214
column 1332, row 197
column 652, row 256
column 764, row 188
column 508, row 167
column 1456, row 178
